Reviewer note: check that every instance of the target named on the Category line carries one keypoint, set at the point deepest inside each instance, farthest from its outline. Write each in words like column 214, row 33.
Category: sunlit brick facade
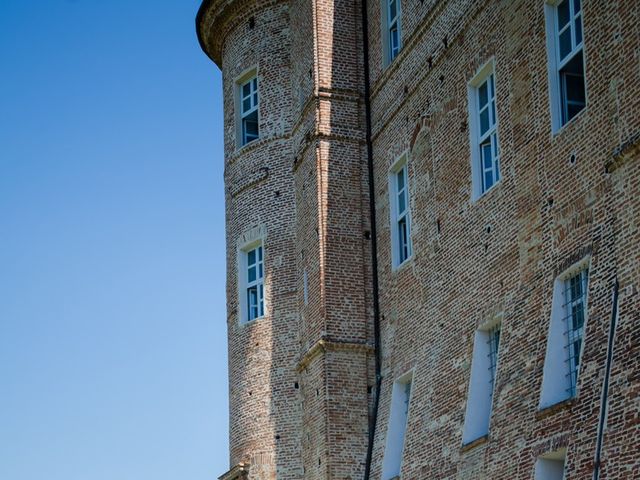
column 433, row 223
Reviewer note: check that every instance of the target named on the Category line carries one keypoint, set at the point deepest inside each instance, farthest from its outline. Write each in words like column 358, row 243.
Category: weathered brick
column 301, row 378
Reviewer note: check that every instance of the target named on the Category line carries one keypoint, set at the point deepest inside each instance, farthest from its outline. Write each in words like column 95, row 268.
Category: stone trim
column 323, row 345
column 324, row 93
column 556, row 407
column 474, row 443
column 239, row 472
column 313, row 139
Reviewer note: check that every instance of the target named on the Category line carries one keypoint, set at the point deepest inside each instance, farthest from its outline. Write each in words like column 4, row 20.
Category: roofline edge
column 204, row 6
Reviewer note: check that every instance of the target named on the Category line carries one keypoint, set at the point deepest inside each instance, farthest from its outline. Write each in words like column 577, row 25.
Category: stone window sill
column 556, row 407
column 474, row 443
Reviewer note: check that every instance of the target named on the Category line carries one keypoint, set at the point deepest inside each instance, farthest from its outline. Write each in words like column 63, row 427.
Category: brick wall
column 300, row 377
column 499, row 256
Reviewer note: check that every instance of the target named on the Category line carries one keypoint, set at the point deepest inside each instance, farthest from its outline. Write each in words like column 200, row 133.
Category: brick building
column 433, row 213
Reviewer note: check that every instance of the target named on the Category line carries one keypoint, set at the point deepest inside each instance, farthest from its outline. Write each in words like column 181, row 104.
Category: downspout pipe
column 374, row 240
column 605, row 384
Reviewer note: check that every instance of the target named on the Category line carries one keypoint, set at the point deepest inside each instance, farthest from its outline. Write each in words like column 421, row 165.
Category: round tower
column 249, row 41
column 299, row 287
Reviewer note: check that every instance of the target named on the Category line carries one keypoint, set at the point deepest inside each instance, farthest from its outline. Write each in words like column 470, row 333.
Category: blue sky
column 112, row 314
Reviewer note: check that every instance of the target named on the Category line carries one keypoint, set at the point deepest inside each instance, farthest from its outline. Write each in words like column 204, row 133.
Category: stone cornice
column 324, row 345
column 238, row 472
column 216, row 18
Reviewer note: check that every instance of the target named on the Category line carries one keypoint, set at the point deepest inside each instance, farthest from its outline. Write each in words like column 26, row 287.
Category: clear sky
column 112, row 313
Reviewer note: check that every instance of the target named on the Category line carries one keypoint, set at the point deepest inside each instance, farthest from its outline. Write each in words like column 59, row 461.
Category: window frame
column 561, row 384
column 555, row 64
column 247, row 77
column 484, row 367
column 575, row 334
column 548, row 461
column 244, row 284
column 393, row 457
column 400, row 165
column 388, row 23
column 477, row 139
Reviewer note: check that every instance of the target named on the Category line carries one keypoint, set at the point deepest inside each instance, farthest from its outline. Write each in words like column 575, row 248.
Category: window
column 252, row 281
column 566, row 332
column 305, row 287
column 398, row 417
column 575, row 295
column 550, row 466
column 392, row 36
column 481, row 385
column 248, row 106
column 485, row 149
column 566, row 60
column 400, row 216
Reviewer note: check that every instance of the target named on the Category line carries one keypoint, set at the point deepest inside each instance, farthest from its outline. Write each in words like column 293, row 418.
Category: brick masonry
column 301, row 378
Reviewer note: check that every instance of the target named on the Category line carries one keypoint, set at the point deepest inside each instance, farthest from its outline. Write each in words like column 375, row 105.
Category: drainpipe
column 605, row 385
column 374, row 240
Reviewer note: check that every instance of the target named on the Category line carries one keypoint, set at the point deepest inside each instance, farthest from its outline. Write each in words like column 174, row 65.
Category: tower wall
column 299, row 376
column 259, row 194
column 333, row 215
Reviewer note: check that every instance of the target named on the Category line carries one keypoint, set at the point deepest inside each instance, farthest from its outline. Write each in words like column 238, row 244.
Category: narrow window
column 485, row 154
column 488, row 138
column 402, row 221
column 400, row 216
column 392, row 33
column 481, row 385
column 398, row 417
column 305, row 286
column 550, row 466
column 566, row 332
column 248, row 99
column 254, row 283
column 575, row 298
column 566, row 60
